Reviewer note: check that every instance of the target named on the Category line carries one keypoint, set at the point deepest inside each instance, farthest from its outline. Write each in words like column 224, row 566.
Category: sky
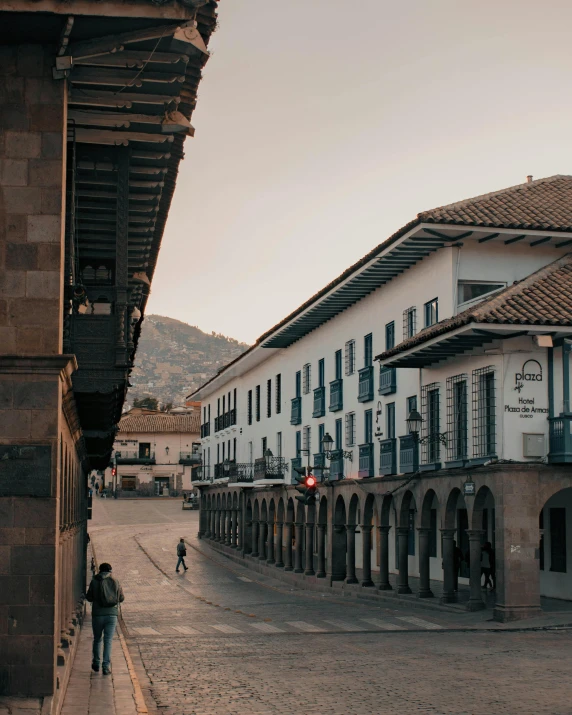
column 323, row 126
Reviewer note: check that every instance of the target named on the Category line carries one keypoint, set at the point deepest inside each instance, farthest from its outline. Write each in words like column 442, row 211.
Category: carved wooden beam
column 95, row 98
column 121, row 78
column 111, row 138
column 132, row 59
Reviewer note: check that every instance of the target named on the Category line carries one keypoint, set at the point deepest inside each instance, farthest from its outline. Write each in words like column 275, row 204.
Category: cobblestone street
column 219, row 639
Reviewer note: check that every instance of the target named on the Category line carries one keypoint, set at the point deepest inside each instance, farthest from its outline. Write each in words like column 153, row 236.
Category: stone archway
column 289, row 536
column 255, row 529
column 428, row 541
column 351, row 526
column 387, row 508
column 367, row 545
column 247, row 538
column 271, row 525
column 406, row 540
column 299, row 538
column 555, row 550
column 322, row 536
column 278, row 548
column 263, row 530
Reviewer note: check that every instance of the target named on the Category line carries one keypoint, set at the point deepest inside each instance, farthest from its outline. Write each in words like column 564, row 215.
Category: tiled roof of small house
column 160, row 423
column 542, row 298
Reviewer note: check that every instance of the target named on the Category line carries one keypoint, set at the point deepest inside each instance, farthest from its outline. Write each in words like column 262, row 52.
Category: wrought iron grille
column 457, row 418
column 240, row 472
column 430, row 429
column 350, row 357
column 350, row 429
column 484, row 412
column 409, row 322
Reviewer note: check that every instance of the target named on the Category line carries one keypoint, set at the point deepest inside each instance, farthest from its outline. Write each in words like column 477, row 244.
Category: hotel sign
column 531, row 394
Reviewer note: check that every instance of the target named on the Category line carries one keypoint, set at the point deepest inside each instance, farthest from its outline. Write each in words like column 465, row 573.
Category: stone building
column 95, row 101
column 455, row 435
column 155, row 452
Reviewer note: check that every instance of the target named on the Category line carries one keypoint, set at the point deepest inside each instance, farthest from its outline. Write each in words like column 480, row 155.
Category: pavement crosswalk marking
column 307, row 627
column 419, row 622
column 266, row 628
column 345, row 626
column 386, row 625
column 186, row 630
column 243, row 578
column 146, row 631
column 227, row 629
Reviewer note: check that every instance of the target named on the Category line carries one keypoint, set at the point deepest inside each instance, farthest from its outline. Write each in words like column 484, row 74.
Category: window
column 234, row 448
column 484, row 412
column 278, row 394
column 350, row 357
column 144, row 450
column 209, row 414
column 368, row 350
column 321, row 372
column 249, row 407
column 558, row 540
column 338, row 434
column 278, row 444
column 457, row 417
column 234, row 398
column 306, row 440
column 431, row 312
column 218, row 407
column 411, row 404
column 298, row 384
column 306, row 378
column 433, row 534
column 218, row 453
column 338, row 364
column 390, row 335
column 390, row 420
column 223, row 451
column 471, row 290
column 223, row 404
column 431, row 449
column 264, row 446
column 368, row 427
column 409, row 322
column 258, row 403
column 321, row 433
column 350, row 429
column 298, row 443
column 268, row 398
column 128, row 484
column 250, row 453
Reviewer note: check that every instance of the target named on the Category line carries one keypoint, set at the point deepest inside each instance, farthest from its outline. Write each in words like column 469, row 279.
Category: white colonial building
column 155, row 452
column 439, row 366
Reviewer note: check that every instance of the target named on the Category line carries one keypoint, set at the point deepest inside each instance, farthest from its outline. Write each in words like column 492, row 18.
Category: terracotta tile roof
column 544, row 205
column 543, row 298
column 189, row 424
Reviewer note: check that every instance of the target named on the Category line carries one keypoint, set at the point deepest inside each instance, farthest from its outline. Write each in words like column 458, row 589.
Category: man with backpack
column 181, row 553
column 105, row 594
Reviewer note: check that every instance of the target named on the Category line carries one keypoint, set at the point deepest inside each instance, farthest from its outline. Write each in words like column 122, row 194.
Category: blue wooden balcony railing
column 388, row 456
column 387, row 380
column 365, row 386
column 366, row 460
column 336, row 395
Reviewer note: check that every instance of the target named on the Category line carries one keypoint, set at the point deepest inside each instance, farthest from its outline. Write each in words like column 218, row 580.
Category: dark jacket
column 181, row 549
column 93, row 596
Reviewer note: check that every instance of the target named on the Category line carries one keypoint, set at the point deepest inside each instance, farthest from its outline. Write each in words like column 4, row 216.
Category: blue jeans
column 181, row 561
column 103, row 626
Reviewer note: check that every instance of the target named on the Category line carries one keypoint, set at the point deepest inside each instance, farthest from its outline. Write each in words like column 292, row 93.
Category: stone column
column 321, row 551
column 288, row 539
column 217, row 525
column 384, row 584
column 255, row 553
column 222, row 526
column 309, row 550
column 228, row 527
column 299, row 531
column 424, row 576
column 449, row 595
column 239, row 528
column 247, row 530
column 234, row 528
column 403, row 543
column 278, row 547
column 366, row 550
column 209, row 524
column 351, row 554
column 262, row 541
column 339, row 550
column 476, row 602
column 270, row 543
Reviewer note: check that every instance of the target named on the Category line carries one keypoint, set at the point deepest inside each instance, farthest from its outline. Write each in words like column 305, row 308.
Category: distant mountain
column 174, row 358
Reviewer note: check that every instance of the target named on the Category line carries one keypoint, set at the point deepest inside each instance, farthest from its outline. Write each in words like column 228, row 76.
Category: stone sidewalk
column 90, row 693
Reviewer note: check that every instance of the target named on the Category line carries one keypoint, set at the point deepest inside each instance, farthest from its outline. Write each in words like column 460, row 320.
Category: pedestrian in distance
column 487, row 564
column 105, row 594
column 181, row 553
column 457, row 560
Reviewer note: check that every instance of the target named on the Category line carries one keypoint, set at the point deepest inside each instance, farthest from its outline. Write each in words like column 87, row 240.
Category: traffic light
column 307, row 486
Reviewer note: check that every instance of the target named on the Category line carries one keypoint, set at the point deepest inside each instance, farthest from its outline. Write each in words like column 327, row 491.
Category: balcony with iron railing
column 201, row 474
column 336, row 395
column 365, row 385
column 366, row 460
column 408, row 454
column 388, row 456
column 270, row 468
column 296, row 411
column 224, row 421
column 191, row 458
column 134, row 457
column 206, row 430
column 560, row 439
column 319, row 402
column 240, row 472
column 387, row 380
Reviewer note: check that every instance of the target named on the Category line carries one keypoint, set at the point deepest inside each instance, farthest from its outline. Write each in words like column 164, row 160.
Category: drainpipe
column 566, row 346
column 550, row 352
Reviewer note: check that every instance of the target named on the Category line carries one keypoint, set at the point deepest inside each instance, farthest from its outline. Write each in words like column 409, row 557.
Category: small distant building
column 155, row 452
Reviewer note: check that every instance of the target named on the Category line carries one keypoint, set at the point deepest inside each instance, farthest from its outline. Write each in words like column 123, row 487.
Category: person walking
column 105, row 594
column 487, row 562
column 181, row 553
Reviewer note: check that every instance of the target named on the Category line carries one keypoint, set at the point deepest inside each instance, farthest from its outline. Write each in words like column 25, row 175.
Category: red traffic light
column 113, row 471
column 311, row 480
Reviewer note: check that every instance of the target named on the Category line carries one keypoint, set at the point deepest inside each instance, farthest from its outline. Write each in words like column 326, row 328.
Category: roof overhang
column 462, row 340
column 110, row 8
column 393, row 258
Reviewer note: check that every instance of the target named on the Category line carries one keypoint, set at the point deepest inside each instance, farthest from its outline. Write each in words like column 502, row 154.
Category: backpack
column 108, row 592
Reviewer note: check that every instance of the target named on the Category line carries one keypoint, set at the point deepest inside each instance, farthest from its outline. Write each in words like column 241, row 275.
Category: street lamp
column 414, row 423
column 327, row 443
